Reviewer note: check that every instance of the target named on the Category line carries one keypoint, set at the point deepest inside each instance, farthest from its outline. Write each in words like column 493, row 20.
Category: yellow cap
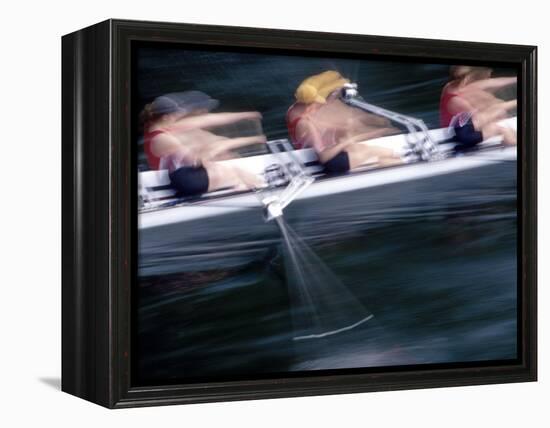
column 318, row 87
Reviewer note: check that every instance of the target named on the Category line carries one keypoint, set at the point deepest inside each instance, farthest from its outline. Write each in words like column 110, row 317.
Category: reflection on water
column 439, row 278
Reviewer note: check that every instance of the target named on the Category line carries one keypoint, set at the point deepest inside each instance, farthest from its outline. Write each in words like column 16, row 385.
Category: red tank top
column 152, row 159
column 292, row 132
column 445, row 116
column 291, row 124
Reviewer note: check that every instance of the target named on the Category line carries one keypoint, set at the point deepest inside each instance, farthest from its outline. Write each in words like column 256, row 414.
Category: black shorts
column 190, row 180
column 338, row 164
column 467, row 136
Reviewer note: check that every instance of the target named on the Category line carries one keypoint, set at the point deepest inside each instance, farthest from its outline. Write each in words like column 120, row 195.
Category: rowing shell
column 170, row 211
column 230, row 228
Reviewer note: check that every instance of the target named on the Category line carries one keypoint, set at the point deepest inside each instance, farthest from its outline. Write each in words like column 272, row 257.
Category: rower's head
column 177, row 105
column 317, row 88
column 469, row 73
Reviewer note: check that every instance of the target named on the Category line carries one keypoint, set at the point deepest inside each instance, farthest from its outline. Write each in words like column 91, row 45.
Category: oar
column 300, row 179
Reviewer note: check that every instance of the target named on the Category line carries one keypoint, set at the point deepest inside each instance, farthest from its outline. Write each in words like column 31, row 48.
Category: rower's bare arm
column 225, row 145
column 307, row 131
column 493, row 83
column 164, row 145
column 245, row 141
column 216, row 119
column 373, row 120
column 334, row 150
column 373, row 133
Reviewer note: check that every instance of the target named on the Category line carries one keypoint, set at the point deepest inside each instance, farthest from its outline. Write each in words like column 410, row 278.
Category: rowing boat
column 167, row 223
column 161, row 206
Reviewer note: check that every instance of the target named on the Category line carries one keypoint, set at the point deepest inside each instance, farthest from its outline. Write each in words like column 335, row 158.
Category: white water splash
column 322, row 305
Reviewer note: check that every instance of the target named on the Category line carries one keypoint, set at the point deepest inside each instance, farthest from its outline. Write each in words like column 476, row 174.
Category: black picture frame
column 99, row 211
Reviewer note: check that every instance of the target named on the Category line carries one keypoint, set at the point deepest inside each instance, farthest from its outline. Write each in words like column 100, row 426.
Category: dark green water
column 439, row 276
column 440, row 280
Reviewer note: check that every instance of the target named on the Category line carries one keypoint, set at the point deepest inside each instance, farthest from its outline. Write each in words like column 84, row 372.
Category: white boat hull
column 233, row 231
column 230, row 228
column 330, row 186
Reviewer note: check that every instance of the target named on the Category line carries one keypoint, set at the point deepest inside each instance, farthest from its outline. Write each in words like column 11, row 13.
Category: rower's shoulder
column 450, row 87
column 296, row 108
column 160, row 135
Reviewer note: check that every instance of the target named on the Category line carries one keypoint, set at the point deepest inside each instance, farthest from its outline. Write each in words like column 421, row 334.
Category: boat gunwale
column 202, row 201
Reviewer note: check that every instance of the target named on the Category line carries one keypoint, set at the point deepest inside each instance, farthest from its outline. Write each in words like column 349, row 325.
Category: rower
column 330, row 116
column 320, row 119
column 470, row 108
column 178, row 137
